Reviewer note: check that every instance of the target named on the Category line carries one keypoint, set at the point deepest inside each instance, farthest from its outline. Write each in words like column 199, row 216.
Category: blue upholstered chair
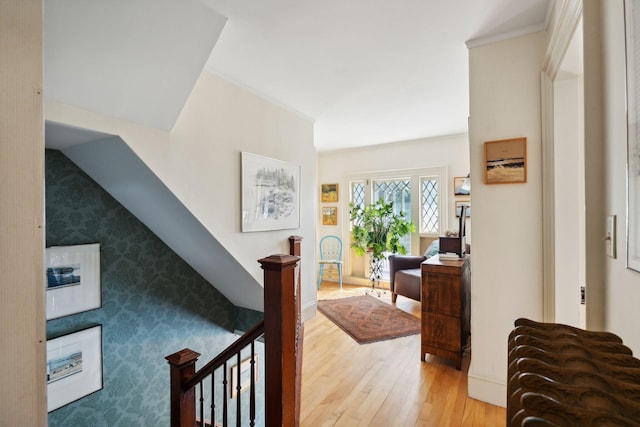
column 330, row 254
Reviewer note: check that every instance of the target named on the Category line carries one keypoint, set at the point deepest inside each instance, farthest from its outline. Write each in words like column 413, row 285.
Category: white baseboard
column 487, row 389
column 309, row 311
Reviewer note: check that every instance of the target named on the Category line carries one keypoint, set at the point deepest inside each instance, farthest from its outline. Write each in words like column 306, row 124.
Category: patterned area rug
column 367, row 319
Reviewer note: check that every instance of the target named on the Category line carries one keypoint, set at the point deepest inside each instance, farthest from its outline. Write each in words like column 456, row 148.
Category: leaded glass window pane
column 397, row 191
column 429, row 207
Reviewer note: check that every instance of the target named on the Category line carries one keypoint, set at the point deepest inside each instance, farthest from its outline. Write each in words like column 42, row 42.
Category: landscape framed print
column 505, row 161
column 74, row 366
column 329, row 193
column 270, row 194
column 72, row 279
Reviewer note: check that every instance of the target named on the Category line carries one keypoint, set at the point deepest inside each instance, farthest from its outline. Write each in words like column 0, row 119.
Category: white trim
column 494, row 38
column 562, row 33
column 309, row 311
column 548, row 202
column 487, row 389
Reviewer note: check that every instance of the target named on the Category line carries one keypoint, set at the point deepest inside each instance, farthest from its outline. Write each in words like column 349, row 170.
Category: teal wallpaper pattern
column 153, row 303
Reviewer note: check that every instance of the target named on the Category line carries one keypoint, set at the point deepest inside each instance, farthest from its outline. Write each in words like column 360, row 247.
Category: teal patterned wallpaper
column 153, row 303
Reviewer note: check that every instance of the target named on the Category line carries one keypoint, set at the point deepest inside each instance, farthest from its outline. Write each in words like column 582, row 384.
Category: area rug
column 367, row 319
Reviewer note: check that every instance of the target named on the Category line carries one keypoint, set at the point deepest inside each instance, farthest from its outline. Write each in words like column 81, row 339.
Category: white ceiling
column 366, row 71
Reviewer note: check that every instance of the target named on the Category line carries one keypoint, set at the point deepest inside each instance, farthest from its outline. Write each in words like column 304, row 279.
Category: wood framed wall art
column 505, row 161
column 329, row 193
column 330, row 215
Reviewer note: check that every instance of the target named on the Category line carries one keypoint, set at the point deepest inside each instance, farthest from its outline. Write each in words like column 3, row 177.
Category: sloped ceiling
column 136, row 60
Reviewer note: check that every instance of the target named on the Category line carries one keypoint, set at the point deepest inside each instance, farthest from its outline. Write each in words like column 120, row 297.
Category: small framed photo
column 461, row 186
column 330, row 215
column 329, row 193
column 467, row 211
column 73, row 279
column 74, row 366
column 245, row 376
column 505, row 161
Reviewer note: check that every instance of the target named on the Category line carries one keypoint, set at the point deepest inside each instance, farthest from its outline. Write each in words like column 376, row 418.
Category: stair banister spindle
column 252, row 396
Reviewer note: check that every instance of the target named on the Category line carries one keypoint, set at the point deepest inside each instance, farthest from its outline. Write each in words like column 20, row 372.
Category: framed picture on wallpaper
column 72, row 279
column 270, row 194
column 74, row 366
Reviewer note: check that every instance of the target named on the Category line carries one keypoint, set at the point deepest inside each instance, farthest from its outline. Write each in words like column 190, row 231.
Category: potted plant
column 376, row 229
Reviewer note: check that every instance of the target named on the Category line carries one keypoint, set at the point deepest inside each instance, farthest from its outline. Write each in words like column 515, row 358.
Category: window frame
column 416, row 177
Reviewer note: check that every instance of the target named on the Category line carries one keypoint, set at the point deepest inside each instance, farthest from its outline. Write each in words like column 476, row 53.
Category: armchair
column 405, row 276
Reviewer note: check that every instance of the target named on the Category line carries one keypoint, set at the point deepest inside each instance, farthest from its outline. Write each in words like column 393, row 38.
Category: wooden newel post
column 183, row 404
column 281, row 324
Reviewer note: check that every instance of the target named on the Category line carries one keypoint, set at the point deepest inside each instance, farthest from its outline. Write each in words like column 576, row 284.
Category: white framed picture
column 72, row 279
column 270, row 194
column 74, row 366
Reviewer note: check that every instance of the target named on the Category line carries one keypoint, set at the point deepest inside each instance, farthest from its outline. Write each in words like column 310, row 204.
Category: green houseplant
column 377, row 229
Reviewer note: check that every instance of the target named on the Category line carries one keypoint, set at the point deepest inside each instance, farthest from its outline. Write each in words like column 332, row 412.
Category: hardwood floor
column 383, row 383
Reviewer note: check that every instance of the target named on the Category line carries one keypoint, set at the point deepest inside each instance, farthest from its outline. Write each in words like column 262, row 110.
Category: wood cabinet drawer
column 442, row 294
column 441, row 331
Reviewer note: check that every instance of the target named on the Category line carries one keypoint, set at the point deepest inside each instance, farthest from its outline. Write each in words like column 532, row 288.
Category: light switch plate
column 611, row 234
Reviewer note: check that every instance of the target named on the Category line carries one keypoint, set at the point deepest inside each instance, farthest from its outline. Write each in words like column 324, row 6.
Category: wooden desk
column 446, row 307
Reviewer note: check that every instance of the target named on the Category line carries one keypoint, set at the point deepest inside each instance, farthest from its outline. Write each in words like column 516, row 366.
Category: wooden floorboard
column 383, row 383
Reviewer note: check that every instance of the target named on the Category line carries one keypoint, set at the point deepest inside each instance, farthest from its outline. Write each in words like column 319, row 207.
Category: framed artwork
column 74, row 366
column 330, row 215
column 461, row 186
column 632, row 28
column 245, row 376
column 329, row 193
column 270, row 194
column 467, row 212
column 73, row 279
column 505, row 161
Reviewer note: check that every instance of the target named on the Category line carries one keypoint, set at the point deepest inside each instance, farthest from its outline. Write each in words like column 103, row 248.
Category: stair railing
column 282, row 329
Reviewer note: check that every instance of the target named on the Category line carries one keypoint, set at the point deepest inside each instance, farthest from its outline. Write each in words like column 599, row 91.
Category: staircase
column 202, row 397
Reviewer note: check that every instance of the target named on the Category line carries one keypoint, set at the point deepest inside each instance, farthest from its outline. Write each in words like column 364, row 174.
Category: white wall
column 622, row 286
column 22, row 323
column 506, row 272
column 450, row 151
column 199, row 161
